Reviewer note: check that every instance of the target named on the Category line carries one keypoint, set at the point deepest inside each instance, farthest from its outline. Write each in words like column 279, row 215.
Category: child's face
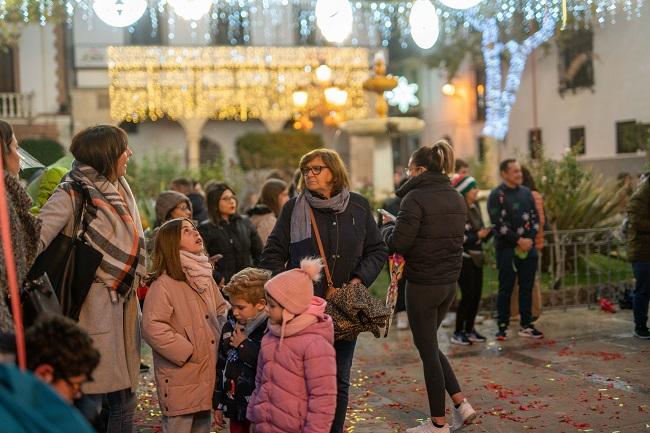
column 244, row 310
column 190, row 239
column 274, row 310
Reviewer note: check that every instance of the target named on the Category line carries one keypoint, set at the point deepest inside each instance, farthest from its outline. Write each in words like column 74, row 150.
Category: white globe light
column 334, row 19
column 191, row 10
column 460, row 4
column 119, row 13
column 425, row 26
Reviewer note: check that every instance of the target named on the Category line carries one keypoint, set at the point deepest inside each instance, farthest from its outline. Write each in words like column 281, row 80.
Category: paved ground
column 589, row 375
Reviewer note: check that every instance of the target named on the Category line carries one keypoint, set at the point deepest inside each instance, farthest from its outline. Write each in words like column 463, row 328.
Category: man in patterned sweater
column 513, row 214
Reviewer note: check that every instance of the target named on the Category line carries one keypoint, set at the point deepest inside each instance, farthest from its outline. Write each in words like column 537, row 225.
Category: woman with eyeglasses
column 25, row 229
column 169, row 205
column 228, row 234
column 429, row 232
column 351, row 241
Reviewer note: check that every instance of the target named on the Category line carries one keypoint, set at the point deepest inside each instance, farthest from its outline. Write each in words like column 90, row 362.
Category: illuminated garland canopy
column 375, row 23
column 229, row 83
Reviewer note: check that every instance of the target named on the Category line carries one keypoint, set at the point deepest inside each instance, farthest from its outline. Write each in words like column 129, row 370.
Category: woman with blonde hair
column 429, row 233
column 351, row 241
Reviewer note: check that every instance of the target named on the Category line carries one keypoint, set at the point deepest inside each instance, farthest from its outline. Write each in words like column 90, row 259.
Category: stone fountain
column 371, row 150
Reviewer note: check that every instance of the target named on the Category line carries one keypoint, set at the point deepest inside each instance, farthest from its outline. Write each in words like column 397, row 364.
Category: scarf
column 197, row 270
column 293, row 324
column 25, row 233
column 254, row 322
column 111, row 226
column 300, row 222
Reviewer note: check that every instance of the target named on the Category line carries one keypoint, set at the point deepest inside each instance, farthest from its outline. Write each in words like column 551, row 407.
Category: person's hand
column 385, row 219
column 525, row 244
column 218, row 418
column 238, row 337
column 214, row 259
column 355, row 280
column 482, row 234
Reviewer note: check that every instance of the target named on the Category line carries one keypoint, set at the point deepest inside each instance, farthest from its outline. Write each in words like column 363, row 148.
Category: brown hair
column 213, row 193
column 271, row 190
column 248, row 284
column 438, row 158
column 100, row 147
column 6, row 135
column 166, row 257
column 529, row 180
column 335, row 164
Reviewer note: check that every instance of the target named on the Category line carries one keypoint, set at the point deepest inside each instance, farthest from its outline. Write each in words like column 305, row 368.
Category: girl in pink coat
column 296, row 372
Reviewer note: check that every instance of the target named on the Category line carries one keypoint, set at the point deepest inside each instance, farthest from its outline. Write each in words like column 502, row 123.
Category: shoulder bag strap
column 79, row 213
column 330, row 284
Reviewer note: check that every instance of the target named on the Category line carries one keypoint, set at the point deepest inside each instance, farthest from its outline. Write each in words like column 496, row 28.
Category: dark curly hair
column 59, row 342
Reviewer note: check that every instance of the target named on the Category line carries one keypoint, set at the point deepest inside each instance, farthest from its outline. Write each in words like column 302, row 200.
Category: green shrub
column 46, row 151
column 278, row 150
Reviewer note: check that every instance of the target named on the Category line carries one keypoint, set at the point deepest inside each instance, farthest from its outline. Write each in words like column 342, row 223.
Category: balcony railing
column 16, row 105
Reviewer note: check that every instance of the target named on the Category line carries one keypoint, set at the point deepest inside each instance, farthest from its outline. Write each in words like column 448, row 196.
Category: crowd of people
column 234, row 304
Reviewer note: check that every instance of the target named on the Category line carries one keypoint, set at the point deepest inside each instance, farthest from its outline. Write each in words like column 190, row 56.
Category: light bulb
column 425, row 26
column 460, row 4
column 191, row 10
column 323, row 74
column 300, row 98
column 334, row 19
column 119, row 13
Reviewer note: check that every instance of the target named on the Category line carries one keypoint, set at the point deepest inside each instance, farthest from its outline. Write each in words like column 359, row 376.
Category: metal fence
column 578, row 267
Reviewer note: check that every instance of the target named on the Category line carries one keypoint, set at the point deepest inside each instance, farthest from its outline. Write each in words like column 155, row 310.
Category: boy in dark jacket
column 239, row 347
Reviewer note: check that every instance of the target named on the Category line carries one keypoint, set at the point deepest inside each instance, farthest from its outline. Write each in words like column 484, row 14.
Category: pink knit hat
column 294, row 289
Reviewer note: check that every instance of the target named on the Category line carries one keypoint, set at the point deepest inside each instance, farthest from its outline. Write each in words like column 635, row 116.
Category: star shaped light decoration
column 403, row 96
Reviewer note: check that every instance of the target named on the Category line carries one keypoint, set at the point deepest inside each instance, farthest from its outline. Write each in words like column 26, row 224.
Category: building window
column 577, row 139
column 534, row 143
column 632, row 136
column 576, row 68
column 143, row 31
column 480, row 95
column 8, row 70
column 232, row 26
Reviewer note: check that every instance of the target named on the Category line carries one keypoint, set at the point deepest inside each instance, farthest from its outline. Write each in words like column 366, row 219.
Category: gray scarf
column 300, row 222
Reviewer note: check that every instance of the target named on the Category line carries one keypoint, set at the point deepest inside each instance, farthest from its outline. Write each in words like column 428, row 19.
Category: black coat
column 238, row 242
column 236, row 369
column 351, row 240
column 429, row 229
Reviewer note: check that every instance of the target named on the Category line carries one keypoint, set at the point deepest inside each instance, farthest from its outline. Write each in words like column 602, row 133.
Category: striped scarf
column 112, row 226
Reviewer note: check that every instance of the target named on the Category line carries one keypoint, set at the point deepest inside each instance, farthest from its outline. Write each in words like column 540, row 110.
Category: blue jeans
column 641, row 295
column 111, row 412
column 512, row 268
column 344, row 355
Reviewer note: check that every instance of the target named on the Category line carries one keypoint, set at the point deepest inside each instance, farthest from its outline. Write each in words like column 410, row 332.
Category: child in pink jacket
column 296, row 371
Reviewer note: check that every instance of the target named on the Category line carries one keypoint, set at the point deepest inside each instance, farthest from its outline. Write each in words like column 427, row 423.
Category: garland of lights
column 500, row 99
column 227, row 83
column 375, row 22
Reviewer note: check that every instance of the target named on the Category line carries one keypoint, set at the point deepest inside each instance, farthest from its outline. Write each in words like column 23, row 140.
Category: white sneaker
column 428, row 427
column 402, row 320
column 464, row 413
column 479, row 319
column 449, row 320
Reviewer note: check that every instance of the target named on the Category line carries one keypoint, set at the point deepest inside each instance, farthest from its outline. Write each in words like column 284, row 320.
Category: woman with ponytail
column 429, row 233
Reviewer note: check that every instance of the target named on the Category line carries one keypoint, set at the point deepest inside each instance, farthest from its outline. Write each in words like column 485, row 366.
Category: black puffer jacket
column 236, row 240
column 429, row 229
column 351, row 241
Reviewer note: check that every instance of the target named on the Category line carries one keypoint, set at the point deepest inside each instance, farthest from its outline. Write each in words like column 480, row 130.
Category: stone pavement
column 589, row 374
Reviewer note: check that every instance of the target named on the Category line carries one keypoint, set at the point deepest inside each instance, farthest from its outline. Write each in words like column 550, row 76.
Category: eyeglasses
column 75, row 386
column 231, row 197
column 182, row 206
column 316, row 169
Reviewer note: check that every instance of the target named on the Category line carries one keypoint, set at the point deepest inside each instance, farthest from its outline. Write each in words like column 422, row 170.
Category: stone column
column 193, row 127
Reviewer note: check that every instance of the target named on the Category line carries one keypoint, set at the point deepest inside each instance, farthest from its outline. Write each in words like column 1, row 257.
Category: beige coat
column 183, row 327
column 114, row 327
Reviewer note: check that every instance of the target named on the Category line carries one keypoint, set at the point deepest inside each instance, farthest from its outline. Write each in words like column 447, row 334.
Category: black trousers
column 426, row 307
column 471, row 286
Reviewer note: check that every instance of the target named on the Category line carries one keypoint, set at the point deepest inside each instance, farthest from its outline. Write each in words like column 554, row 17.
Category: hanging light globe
column 460, row 4
column 334, row 19
column 191, row 10
column 425, row 26
column 119, row 13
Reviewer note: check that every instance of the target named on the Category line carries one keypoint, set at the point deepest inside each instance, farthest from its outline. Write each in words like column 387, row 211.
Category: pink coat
column 296, row 381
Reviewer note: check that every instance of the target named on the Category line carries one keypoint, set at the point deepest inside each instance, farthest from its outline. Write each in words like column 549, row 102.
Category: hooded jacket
column 296, row 377
column 638, row 231
column 429, row 229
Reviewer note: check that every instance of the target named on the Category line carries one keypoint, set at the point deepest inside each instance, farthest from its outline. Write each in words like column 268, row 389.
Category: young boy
column 239, row 346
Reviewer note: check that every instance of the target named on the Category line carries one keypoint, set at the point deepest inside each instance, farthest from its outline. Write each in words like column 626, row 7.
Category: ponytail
column 438, row 158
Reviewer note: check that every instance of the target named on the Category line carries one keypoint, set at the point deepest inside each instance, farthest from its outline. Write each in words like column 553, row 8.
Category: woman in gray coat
column 111, row 225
